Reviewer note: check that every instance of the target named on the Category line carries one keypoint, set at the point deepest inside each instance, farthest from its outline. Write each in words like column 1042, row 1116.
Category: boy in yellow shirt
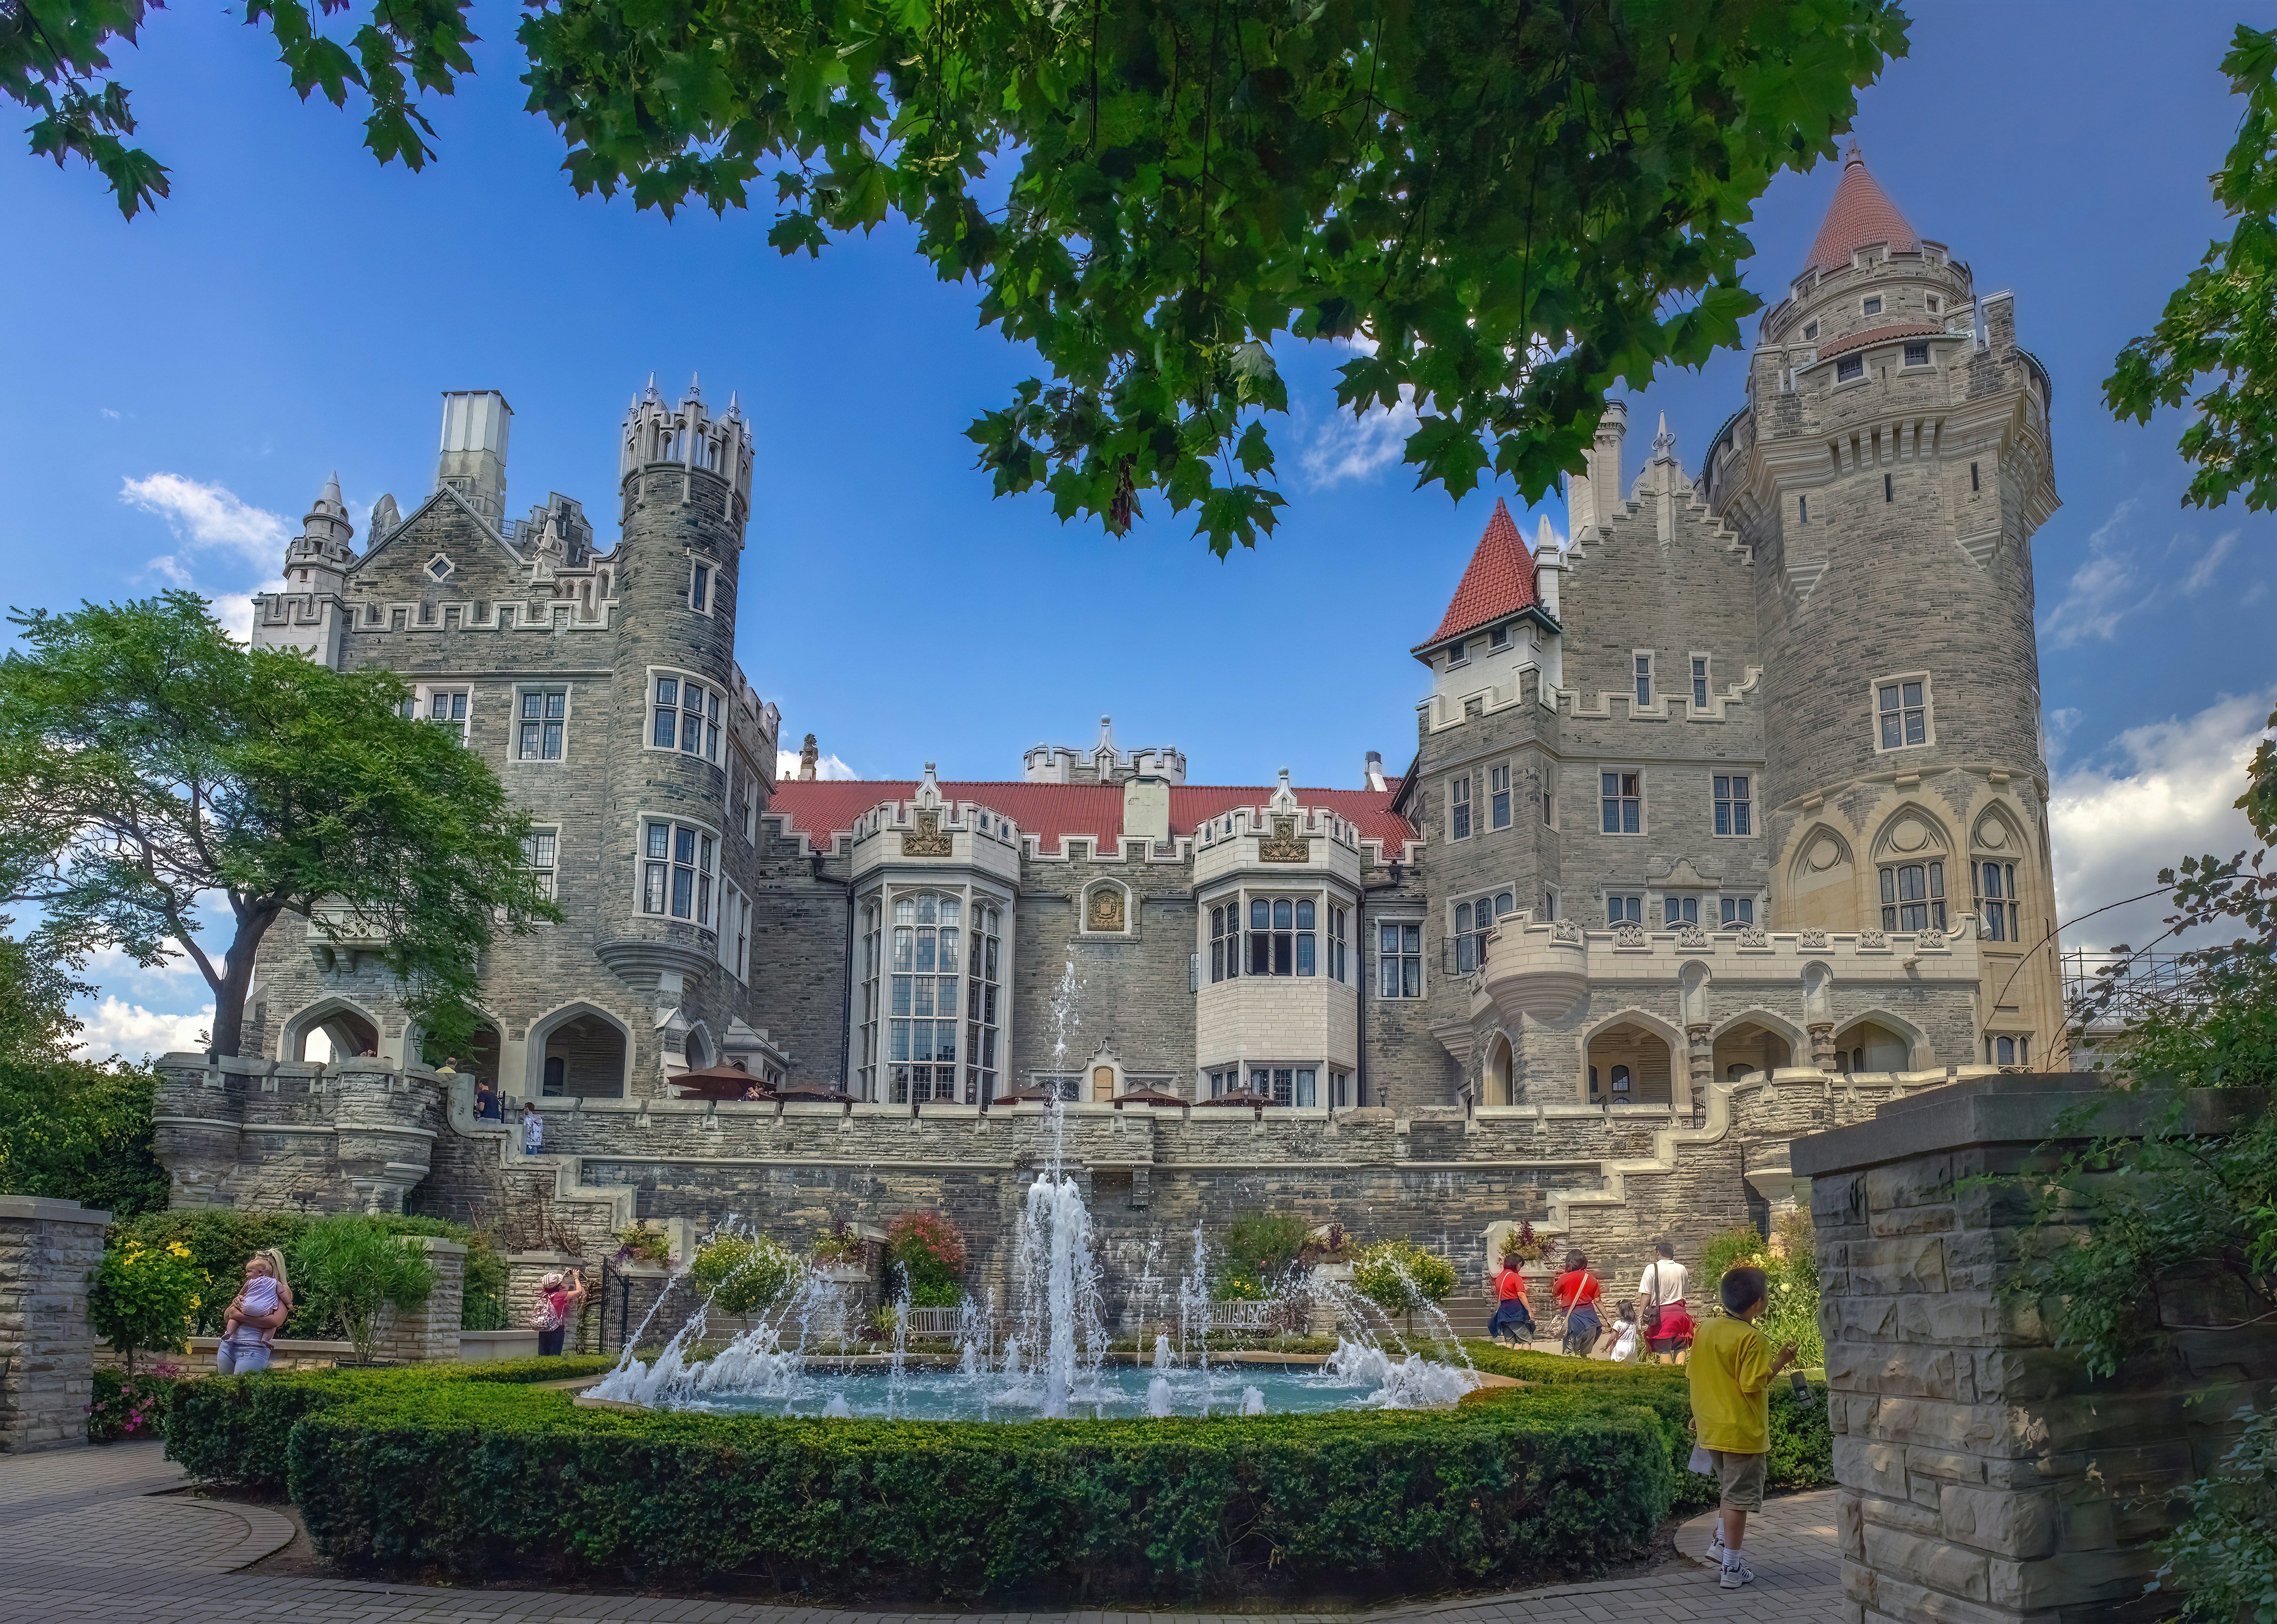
column 1732, row 1370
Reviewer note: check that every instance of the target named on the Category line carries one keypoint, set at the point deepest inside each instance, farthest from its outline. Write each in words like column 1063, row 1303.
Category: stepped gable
column 1862, row 213
column 1498, row 584
column 820, row 808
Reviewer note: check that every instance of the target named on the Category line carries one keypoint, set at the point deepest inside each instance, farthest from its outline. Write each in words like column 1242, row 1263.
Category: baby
column 244, row 1347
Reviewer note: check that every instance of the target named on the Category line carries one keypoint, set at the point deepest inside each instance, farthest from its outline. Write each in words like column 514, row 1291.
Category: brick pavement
column 91, row 1534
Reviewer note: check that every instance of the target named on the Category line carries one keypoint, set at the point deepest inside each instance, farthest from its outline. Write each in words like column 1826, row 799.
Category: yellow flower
column 178, row 1249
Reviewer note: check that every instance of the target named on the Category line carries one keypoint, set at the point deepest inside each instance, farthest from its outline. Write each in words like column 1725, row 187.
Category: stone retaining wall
column 48, row 1250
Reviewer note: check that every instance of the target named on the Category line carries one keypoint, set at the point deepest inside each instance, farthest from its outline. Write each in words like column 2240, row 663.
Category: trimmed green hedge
column 237, row 1429
column 1802, row 1442
column 477, row 1470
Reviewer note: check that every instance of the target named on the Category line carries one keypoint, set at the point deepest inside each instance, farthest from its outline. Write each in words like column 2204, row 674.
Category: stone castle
column 1727, row 819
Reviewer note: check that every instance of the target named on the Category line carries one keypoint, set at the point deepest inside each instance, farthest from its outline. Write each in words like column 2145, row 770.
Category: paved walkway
column 82, row 1537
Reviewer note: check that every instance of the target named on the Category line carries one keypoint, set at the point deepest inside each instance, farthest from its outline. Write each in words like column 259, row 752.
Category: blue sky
column 182, row 383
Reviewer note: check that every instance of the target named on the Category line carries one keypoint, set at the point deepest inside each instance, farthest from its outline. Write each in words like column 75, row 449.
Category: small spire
column 1664, row 444
column 332, row 490
column 652, row 395
column 1856, row 154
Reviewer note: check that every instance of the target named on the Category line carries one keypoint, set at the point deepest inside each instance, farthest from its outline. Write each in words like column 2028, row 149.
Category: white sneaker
column 1716, row 1542
column 1736, row 1573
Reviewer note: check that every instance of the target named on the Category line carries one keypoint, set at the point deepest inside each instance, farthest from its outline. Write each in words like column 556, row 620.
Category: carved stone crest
column 1932, row 940
column 1751, row 935
column 1692, row 936
column 1564, row 930
column 1810, row 938
column 928, row 839
column 1284, row 844
column 1629, row 936
column 1872, row 939
column 1104, row 910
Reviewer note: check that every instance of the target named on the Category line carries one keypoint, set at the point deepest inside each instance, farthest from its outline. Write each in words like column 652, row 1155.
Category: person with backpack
column 559, row 1301
column 1578, row 1291
column 1665, row 1323
column 1509, row 1308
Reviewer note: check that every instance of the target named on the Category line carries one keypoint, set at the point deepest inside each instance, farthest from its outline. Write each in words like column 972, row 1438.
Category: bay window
column 677, row 866
column 1913, row 897
column 1281, row 935
column 983, row 982
column 927, row 951
column 685, row 716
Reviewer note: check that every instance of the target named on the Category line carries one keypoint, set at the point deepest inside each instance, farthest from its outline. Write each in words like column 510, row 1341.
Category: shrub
column 354, row 1271
column 144, row 1299
column 1400, row 1276
column 1265, row 1244
column 1521, row 1245
column 930, row 1253
column 394, row 1471
column 643, row 1246
column 744, row 1273
column 838, row 1244
column 221, row 1239
column 2221, row 1555
column 1789, row 1260
column 76, row 1131
column 131, row 1404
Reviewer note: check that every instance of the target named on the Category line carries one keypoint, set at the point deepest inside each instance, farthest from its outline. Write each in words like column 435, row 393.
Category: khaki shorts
column 1741, row 1478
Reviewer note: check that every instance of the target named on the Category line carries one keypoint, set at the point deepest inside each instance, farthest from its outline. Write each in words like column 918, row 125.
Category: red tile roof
column 820, row 808
column 1877, row 335
column 1862, row 213
column 1498, row 583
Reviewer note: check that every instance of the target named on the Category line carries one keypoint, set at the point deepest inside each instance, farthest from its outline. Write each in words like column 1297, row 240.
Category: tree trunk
column 237, row 980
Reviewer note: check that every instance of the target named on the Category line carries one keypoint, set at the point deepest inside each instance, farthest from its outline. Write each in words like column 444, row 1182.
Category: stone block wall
column 1983, row 1478
column 48, row 1249
column 429, row 1331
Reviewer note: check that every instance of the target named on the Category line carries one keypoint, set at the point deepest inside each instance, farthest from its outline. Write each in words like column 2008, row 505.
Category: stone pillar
column 1700, row 1058
column 430, row 1333
column 1822, row 1046
column 1983, row 1478
column 48, row 1249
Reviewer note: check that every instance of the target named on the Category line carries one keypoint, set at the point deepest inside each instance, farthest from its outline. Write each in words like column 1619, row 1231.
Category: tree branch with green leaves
column 153, row 768
column 1500, row 208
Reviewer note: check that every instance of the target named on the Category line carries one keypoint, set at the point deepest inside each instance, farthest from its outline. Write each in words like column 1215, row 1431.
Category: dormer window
column 1454, row 654
column 1872, row 306
column 1499, row 638
column 1849, row 368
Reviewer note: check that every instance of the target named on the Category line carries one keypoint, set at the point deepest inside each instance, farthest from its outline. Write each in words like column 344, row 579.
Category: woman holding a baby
column 248, row 1332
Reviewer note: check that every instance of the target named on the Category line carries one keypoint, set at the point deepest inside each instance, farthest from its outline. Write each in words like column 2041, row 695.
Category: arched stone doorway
column 1496, row 1085
column 1750, row 1046
column 579, row 1053
column 475, row 1055
column 1871, row 1045
column 1629, row 1065
column 329, row 1031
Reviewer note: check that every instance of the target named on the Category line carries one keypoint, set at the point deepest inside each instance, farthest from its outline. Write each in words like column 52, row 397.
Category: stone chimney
column 809, row 753
column 1372, row 772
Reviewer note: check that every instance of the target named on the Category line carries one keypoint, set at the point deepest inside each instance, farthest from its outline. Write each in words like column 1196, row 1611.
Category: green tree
column 144, row 1299
column 150, row 764
column 1402, row 1278
column 2221, row 324
column 352, row 1272
column 743, row 1273
column 1503, row 206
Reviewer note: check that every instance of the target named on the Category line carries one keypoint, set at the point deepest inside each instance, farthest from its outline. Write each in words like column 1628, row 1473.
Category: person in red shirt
column 1510, row 1307
column 1578, row 1290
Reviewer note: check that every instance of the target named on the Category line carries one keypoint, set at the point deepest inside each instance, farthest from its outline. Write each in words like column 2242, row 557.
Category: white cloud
column 210, row 516
column 116, row 1027
column 2102, row 591
column 1350, row 448
column 825, row 767
column 2201, row 575
column 2155, row 794
column 108, row 413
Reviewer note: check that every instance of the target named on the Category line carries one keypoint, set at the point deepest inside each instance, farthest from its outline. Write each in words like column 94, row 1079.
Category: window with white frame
column 983, row 982
column 1224, row 1082
column 869, row 966
column 1621, row 797
column 1456, row 653
column 1737, row 912
column 1339, row 955
column 1996, row 899
column 1872, row 306
column 541, row 854
column 1917, row 355
column 1849, row 368
column 1498, row 638
column 751, row 810
column 1399, row 959
column 2008, row 1049
column 1902, row 712
column 734, row 931
column 1548, row 796
column 1734, row 807
column 923, row 1014
column 1340, row 1090
column 1473, row 921
column 1624, row 910
column 678, row 863
column 1548, row 906
column 447, row 708
column 701, row 577
column 1643, row 680
column 685, row 716
column 1225, row 942
column 1282, row 936
column 542, row 725
column 1913, row 896
column 1699, row 683
column 1459, row 807
column 1498, row 797
column 1676, row 911
column 1288, row 1085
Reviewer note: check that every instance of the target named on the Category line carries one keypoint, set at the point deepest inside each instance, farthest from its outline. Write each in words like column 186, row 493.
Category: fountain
column 1052, row 1361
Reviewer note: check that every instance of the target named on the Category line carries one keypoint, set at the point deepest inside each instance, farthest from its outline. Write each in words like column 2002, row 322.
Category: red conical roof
column 1499, row 581
column 1862, row 213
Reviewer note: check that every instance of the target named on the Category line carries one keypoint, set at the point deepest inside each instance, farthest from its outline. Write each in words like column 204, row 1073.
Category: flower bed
column 475, row 1470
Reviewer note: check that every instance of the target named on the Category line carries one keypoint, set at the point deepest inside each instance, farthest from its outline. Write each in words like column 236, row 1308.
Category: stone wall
column 48, row 1249
column 1983, row 1478
column 429, row 1331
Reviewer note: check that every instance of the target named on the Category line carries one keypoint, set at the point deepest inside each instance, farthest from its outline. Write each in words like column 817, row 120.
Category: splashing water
column 1158, row 1397
column 1252, row 1401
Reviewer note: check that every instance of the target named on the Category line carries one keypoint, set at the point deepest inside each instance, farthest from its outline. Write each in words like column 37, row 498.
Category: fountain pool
column 1113, row 1392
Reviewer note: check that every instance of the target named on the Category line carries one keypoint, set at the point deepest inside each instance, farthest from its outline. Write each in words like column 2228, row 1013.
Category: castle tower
column 319, row 558
column 311, row 613
column 684, row 477
column 1888, row 473
column 472, row 460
